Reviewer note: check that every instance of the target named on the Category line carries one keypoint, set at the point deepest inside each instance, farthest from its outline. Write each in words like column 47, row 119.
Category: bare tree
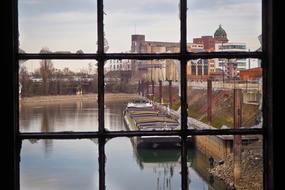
column 46, row 70
column 25, row 81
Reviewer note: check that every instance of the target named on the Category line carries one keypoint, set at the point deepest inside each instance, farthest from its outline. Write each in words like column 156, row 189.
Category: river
column 73, row 164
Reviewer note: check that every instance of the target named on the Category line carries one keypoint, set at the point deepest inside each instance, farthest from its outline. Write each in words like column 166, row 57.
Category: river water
column 73, row 164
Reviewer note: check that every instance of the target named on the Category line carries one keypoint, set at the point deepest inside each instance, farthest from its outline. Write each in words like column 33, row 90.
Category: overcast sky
column 70, row 25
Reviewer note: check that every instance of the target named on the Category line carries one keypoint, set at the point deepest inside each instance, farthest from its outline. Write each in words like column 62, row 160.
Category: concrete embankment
column 109, row 98
column 251, row 169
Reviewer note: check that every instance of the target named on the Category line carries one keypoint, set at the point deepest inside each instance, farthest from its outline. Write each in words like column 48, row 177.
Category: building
column 119, row 65
column 153, row 69
column 251, row 74
column 198, row 69
column 220, row 35
column 169, row 69
column 242, row 64
column 207, row 41
column 231, row 70
column 259, row 49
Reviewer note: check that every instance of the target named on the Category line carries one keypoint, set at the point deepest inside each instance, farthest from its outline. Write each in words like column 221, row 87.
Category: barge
column 141, row 115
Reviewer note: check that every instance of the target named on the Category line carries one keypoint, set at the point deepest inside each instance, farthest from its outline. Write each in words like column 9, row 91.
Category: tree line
column 50, row 81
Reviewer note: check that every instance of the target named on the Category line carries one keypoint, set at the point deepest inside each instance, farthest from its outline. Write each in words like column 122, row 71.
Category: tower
column 220, row 35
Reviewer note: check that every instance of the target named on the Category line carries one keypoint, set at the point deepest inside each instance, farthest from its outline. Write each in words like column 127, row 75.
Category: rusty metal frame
column 266, row 56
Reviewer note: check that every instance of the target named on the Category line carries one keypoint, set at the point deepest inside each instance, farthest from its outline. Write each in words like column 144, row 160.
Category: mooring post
column 170, row 93
column 209, row 94
column 152, row 89
column 237, row 138
column 160, row 91
column 139, row 87
column 147, row 88
column 142, row 87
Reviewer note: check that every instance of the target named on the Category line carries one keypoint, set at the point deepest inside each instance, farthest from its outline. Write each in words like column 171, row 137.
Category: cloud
column 57, row 21
column 205, row 5
column 31, row 8
column 76, row 17
column 141, row 7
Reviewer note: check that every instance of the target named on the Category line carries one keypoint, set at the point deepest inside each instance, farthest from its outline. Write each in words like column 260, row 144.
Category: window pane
column 129, row 82
column 213, row 107
column 222, row 26
column 142, row 26
column 143, row 166
column 59, row 164
column 58, row 95
column 63, row 26
column 223, row 162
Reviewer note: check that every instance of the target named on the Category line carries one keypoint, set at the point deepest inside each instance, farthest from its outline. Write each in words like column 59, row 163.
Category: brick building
column 251, row 74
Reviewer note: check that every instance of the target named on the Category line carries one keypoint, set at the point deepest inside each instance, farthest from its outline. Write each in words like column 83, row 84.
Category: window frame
column 266, row 56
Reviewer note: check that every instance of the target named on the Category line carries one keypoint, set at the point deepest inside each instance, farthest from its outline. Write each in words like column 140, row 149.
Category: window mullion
column 100, row 52
column 183, row 98
column 267, row 104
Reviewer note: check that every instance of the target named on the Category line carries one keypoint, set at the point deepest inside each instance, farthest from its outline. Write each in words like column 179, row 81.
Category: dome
column 220, row 31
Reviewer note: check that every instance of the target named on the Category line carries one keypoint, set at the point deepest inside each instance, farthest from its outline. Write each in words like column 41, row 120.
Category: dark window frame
column 266, row 55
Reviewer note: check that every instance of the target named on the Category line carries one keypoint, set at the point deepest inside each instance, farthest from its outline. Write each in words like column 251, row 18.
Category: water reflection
column 69, row 165
column 61, row 117
column 200, row 168
column 73, row 164
column 76, row 116
column 163, row 162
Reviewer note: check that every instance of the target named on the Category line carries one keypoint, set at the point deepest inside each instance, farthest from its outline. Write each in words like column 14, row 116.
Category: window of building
column 103, row 135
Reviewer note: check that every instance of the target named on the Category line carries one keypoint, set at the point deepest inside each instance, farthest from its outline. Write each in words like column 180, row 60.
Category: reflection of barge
column 141, row 115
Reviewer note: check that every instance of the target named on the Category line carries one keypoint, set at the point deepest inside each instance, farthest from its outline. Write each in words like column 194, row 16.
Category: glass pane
column 142, row 26
column 58, row 95
column 66, row 26
column 211, row 86
column 224, row 162
column 59, row 164
column 143, row 92
column 143, row 166
column 222, row 26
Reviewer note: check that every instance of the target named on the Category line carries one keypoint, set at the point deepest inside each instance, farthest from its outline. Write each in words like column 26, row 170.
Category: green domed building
column 220, row 35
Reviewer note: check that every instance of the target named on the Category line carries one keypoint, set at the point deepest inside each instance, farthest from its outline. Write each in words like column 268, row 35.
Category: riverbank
column 109, row 98
column 251, row 169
